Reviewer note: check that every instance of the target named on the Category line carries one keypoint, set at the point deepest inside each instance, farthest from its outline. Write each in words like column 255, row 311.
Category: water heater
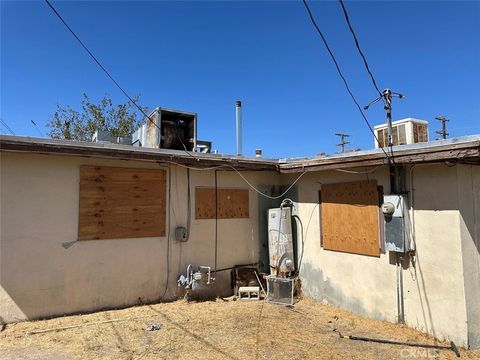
column 280, row 241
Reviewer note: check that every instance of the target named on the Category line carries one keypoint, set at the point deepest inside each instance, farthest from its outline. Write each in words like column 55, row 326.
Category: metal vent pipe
column 238, row 108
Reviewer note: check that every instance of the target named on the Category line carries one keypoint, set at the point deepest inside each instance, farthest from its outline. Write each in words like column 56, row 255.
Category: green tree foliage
column 72, row 124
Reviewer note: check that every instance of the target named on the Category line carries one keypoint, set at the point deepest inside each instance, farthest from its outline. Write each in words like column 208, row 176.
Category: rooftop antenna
column 387, row 96
column 342, row 142
column 442, row 132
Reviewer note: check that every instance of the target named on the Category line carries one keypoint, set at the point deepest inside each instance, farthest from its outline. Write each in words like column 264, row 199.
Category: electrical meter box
column 397, row 225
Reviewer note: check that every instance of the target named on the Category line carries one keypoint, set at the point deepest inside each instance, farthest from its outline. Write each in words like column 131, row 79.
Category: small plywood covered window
column 118, row 203
column 231, row 203
column 349, row 217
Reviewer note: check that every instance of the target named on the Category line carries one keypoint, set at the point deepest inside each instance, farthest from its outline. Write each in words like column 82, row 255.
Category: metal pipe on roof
column 238, row 108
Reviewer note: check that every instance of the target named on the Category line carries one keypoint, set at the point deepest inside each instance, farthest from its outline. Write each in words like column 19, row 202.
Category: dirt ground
column 215, row 330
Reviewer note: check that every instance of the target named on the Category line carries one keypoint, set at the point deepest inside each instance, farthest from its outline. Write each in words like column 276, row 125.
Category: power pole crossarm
column 442, row 132
column 387, row 96
column 342, row 142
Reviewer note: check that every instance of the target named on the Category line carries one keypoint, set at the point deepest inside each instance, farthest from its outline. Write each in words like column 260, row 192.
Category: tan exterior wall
column 39, row 278
column 434, row 290
column 39, row 212
column 469, row 199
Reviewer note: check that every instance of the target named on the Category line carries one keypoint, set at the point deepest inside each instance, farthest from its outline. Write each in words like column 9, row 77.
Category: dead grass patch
column 233, row 330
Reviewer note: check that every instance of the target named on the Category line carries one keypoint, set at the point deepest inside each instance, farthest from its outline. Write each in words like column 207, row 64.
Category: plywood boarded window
column 350, row 217
column 118, row 203
column 232, row 203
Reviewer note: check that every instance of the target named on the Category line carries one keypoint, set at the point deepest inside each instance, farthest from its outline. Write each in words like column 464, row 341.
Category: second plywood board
column 232, row 203
column 349, row 217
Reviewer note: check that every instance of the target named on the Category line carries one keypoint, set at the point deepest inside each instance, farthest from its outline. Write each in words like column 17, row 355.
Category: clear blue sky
column 202, row 56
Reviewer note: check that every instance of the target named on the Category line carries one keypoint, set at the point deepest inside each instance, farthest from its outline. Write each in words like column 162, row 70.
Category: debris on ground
column 234, row 330
column 154, row 327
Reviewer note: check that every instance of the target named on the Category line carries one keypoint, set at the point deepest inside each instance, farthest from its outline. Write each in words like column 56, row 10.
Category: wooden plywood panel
column 349, row 217
column 120, row 203
column 232, row 203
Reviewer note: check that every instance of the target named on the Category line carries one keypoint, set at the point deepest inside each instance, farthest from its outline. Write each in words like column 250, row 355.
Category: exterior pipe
column 238, row 107
column 413, row 243
column 400, row 303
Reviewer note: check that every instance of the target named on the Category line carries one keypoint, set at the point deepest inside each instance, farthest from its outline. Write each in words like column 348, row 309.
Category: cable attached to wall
column 216, row 220
column 189, row 205
column 359, row 172
column 241, row 175
column 300, row 258
column 168, row 232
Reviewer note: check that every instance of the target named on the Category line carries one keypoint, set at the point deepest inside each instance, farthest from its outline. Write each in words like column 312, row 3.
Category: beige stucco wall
column 39, row 212
column 39, row 278
column 468, row 177
column 434, row 290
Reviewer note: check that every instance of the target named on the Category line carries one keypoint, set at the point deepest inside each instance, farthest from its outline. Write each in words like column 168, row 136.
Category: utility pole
column 387, row 96
column 442, row 132
column 342, row 142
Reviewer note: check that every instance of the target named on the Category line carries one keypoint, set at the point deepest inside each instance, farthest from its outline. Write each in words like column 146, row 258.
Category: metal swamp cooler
column 280, row 286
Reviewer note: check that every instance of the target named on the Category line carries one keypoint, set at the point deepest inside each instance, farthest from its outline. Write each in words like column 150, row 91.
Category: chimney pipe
column 238, row 108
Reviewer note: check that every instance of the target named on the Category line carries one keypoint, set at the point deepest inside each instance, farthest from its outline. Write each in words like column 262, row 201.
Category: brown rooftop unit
column 169, row 129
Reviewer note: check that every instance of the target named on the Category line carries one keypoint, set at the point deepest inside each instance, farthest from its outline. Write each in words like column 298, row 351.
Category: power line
column 143, row 112
column 385, row 94
column 5, row 125
column 341, row 75
column 36, row 127
column 3, row 129
column 357, row 44
column 99, row 63
column 108, row 73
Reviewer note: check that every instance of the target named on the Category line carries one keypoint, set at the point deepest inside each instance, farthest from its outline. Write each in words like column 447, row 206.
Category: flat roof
column 465, row 149
column 129, row 152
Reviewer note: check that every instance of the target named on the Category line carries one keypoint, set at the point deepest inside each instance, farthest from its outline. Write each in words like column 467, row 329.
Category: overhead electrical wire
column 312, row 19
column 109, row 75
column 367, row 67
column 357, row 44
column 99, row 63
column 144, row 113
column 5, row 125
